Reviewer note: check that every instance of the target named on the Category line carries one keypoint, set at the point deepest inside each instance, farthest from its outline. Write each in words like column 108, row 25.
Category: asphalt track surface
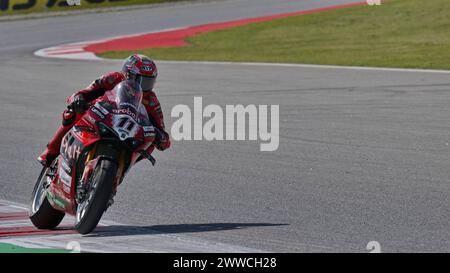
column 363, row 154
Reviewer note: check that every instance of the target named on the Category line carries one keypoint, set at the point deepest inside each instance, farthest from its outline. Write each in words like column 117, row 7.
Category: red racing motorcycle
column 112, row 135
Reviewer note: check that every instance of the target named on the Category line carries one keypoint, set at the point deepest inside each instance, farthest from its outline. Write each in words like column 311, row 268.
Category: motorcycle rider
column 136, row 67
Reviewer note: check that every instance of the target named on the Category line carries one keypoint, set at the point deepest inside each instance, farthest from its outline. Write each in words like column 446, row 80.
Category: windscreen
column 128, row 98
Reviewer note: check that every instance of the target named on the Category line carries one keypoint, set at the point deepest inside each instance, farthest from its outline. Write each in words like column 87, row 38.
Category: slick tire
column 91, row 210
column 41, row 213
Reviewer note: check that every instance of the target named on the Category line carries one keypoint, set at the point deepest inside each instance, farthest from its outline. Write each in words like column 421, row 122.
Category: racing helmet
column 141, row 69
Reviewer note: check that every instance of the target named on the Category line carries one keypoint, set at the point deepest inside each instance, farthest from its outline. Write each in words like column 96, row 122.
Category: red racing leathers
column 94, row 91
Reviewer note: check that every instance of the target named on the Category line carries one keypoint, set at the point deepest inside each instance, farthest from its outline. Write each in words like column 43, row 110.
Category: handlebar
column 144, row 154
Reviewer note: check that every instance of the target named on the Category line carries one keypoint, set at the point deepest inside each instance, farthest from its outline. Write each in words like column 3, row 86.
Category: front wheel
column 41, row 213
column 91, row 208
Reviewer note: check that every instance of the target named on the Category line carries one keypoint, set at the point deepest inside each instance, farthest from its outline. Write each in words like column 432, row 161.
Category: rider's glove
column 78, row 104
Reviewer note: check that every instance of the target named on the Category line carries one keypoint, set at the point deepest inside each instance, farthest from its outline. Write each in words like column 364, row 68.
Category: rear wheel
column 41, row 213
column 91, row 208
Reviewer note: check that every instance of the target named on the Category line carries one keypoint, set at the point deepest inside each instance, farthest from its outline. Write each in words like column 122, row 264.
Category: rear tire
column 41, row 213
column 92, row 208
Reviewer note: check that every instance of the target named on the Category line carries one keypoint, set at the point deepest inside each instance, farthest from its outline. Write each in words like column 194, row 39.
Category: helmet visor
column 147, row 83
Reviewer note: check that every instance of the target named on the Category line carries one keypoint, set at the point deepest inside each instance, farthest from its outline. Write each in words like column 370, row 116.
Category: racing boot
column 52, row 150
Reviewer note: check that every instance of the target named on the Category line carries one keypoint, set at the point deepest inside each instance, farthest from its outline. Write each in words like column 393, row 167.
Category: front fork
column 90, row 163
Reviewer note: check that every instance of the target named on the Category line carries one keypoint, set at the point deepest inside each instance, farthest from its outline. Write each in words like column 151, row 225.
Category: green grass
column 399, row 33
column 10, row 248
column 40, row 5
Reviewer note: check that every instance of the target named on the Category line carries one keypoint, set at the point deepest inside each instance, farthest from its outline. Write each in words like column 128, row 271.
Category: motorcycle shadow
column 127, row 230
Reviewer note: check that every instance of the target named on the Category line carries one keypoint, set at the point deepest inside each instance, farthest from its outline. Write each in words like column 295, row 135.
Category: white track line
column 287, row 65
column 114, row 237
column 311, row 66
column 64, row 52
column 75, row 51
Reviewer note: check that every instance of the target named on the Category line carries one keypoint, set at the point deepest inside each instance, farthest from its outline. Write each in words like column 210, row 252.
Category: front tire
column 91, row 209
column 41, row 213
